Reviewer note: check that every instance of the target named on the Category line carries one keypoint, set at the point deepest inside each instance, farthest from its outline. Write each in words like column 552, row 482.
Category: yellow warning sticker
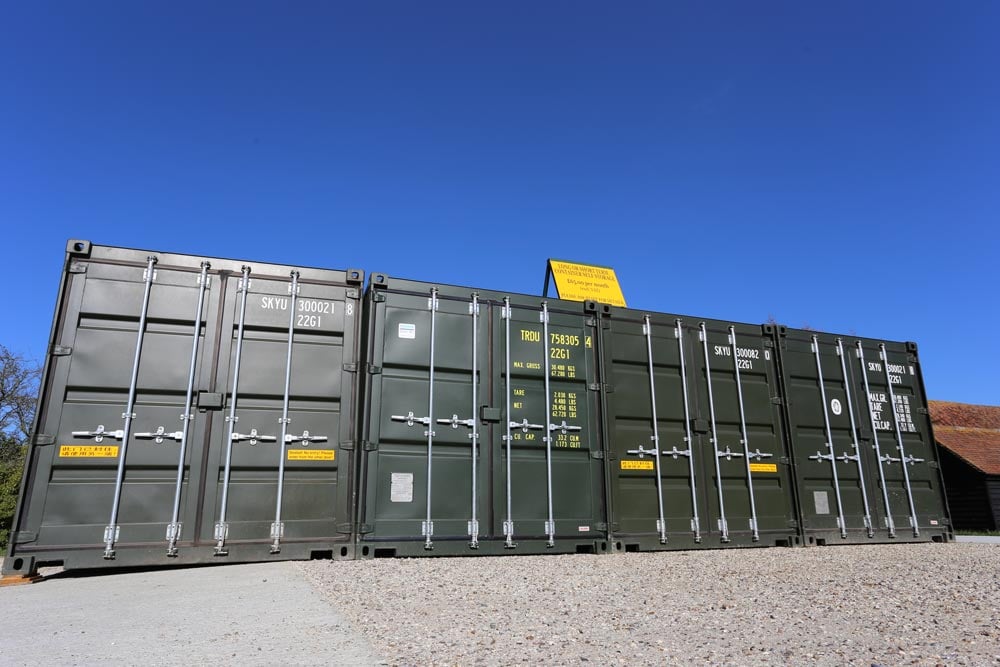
column 579, row 282
column 763, row 467
column 311, row 454
column 632, row 464
column 88, row 451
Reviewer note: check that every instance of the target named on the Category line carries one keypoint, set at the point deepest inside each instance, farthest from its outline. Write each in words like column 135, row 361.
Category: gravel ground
column 885, row 605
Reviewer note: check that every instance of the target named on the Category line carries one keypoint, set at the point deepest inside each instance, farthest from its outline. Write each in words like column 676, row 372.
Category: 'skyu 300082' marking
column 745, row 356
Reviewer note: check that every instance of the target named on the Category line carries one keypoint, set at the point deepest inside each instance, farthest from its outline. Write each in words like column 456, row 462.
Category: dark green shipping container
column 181, row 395
column 866, row 463
column 482, row 426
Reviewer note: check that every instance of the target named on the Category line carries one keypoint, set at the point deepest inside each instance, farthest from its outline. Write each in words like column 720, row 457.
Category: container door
column 264, row 435
column 833, row 472
column 744, row 442
column 555, row 493
column 648, row 360
column 70, row 498
column 421, row 416
column 908, row 496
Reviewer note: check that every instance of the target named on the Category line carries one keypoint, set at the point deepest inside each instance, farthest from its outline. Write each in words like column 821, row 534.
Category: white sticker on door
column 407, row 330
column 822, row 502
column 401, row 488
column 836, row 407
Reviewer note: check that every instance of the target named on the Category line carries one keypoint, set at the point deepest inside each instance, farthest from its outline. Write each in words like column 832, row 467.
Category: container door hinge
column 606, row 388
column 350, row 368
column 77, row 267
column 933, row 464
column 601, row 525
column 44, row 439
column 373, row 369
column 784, row 460
column 365, row 528
column 777, row 400
column 598, row 454
column 792, row 523
column 370, row 446
column 345, row 528
column 351, row 294
column 25, row 536
column 61, row 351
column 347, row 446
column 923, row 411
column 768, row 342
column 378, row 297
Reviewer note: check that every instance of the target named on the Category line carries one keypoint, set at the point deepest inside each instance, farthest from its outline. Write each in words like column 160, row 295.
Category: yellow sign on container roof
column 580, row 282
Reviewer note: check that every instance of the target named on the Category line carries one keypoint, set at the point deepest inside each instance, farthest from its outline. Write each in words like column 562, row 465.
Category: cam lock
column 99, row 434
column 160, row 434
column 253, row 437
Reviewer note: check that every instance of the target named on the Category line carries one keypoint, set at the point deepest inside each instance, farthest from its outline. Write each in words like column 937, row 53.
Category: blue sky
column 834, row 165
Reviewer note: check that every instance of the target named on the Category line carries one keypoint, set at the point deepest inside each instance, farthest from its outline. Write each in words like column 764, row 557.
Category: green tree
column 18, row 387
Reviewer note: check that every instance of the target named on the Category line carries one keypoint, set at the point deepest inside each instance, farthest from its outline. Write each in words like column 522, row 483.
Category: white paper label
column 401, row 489
column 407, row 330
column 822, row 502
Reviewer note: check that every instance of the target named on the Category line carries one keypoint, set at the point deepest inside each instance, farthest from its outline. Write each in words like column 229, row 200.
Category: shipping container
column 481, row 432
column 192, row 410
column 866, row 463
column 696, row 453
column 197, row 410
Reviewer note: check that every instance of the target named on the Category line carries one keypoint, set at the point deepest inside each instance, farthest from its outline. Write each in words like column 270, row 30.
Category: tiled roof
column 971, row 432
column 947, row 413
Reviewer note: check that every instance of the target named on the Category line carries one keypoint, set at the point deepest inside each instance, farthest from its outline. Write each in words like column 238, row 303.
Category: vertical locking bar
column 745, row 436
column 723, row 524
column 112, row 529
column 428, row 527
column 221, row 527
column 899, row 441
column 854, row 438
column 550, row 525
column 278, row 528
column 695, row 523
column 474, row 523
column 174, row 527
column 841, row 522
column 661, row 523
column 889, row 523
column 508, row 525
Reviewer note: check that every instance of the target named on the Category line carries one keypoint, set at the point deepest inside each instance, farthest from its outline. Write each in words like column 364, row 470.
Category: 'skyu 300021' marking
column 310, row 312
